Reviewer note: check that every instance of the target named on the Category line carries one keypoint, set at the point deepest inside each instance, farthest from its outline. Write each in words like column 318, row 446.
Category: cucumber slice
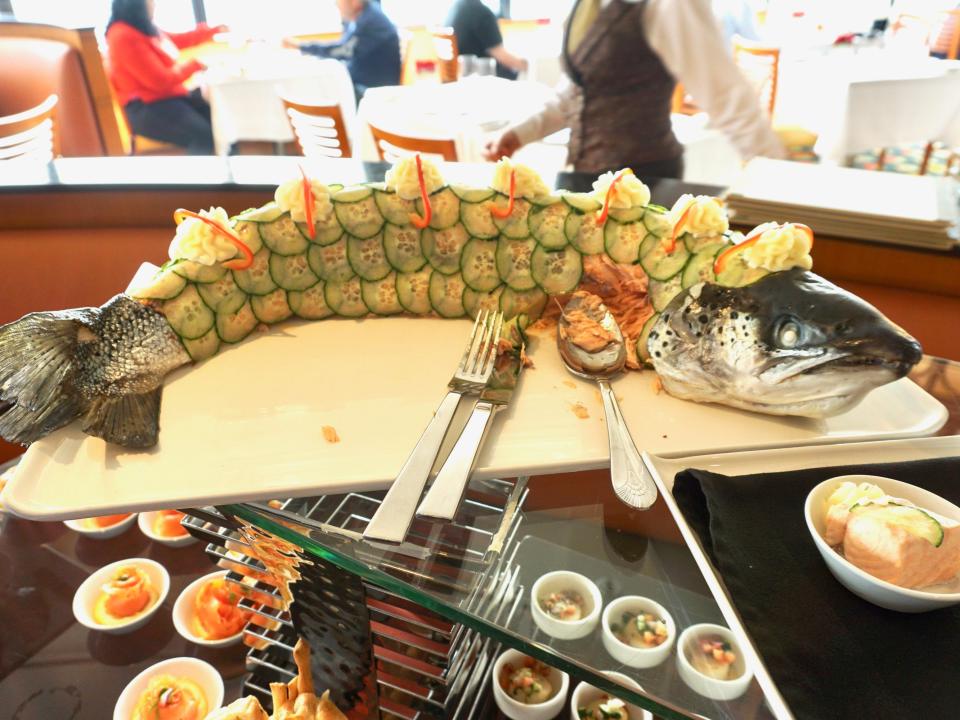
column 272, row 308
column 197, row 273
column 699, row 268
column 642, row 352
column 380, row 296
column 334, row 188
column 513, row 262
column 326, row 234
column 622, row 240
column 545, row 200
column 472, row 195
column 222, row 294
column 626, row 215
column 165, row 285
column 709, row 242
column 413, row 291
column 556, row 271
column 256, row 280
column 547, row 225
column 736, row 273
column 514, row 303
column 478, row 265
column 232, row 327
column 658, row 263
column 309, row 304
column 477, row 219
column 361, row 219
column 345, row 298
column 515, row 225
column 662, row 292
column 292, row 272
column 584, row 232
column 443, row 248
column 658, row 222
column 401, row 243
column 249, row 234
column 394, row 208
column 283, row 236
column 267, row 213
column 582, row 202
column 474, row 302
column 914, row 520
column 444, row 209
column 330, row 262
column 446, row 295
column 367, row 257
column 351, row 194
column 188, row 314
column 203, row 347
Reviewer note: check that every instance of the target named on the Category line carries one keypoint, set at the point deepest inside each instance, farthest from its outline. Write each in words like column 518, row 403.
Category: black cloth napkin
column 831, row 654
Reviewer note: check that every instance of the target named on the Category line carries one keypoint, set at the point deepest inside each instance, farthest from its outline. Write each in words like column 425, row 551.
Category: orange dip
column 128, row 594
column 217, row 614
column 167, row 524
column 105, row 521
column 170, row 698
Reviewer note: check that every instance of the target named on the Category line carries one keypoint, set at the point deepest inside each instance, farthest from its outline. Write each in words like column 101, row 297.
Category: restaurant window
column 249, row 18
column 174, row 15
column 553, row 10
column 404, row 13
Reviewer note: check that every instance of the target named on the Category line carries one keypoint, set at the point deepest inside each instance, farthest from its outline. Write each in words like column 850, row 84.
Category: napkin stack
column 919, row 211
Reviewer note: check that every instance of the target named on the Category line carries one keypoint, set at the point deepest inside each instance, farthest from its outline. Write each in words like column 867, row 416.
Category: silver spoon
column 632, row 482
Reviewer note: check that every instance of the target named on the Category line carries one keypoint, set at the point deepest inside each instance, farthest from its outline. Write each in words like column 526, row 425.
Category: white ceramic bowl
column 183, row 614
column 636, row 657
column 104, row 533
column 146, row 521
column 707, row 686
column 585, row 693
column 517, row 710
column 879, row 592
column 565, row 580
column 89, row 591
column 200, row 672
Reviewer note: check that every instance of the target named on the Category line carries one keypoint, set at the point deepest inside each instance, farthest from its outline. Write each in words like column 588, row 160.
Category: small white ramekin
column 565, row 580
column 707, row 686
column 88, row 592
column 636, row 657
column 585, row 693
column 183, row 614
column 146, row 522
column 518, row 710
column 104, row 533
column 200, row 672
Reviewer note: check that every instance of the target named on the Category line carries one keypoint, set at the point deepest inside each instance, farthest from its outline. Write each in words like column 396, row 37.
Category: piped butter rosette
column 291, row 196
column 700, row 216
column 527, row 182
column 621, row 190
column 200, row 241
column 774, row 247
column 402, row 178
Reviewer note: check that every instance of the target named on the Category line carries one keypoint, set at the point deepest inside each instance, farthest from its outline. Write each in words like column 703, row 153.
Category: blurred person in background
column 370, row 46
column 478, row 33
column 623, row 59
column 150, row 82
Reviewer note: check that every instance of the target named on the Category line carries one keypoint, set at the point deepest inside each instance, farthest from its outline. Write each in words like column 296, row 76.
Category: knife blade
column 446, row 493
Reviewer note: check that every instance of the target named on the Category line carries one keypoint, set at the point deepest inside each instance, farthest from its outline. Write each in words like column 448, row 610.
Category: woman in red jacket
column 149, row 81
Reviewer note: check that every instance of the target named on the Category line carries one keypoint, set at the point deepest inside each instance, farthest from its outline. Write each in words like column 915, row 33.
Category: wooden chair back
column 761, row 65
column 73, row 114
column 31, row 134
column 445, row 45
column 391, row 146
column 682, row 103
column 319, row 129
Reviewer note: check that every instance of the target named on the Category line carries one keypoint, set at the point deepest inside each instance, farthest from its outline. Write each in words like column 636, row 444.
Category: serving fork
column 392, row 519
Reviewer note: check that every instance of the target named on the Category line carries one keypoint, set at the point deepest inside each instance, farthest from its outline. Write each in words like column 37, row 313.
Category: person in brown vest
column 623, row 59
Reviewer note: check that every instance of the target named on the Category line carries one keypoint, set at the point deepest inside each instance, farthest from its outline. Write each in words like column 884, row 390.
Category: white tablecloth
column 244, row 94
column 468, row 112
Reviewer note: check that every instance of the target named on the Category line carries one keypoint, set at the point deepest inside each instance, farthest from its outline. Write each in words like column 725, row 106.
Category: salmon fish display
column 721, row 317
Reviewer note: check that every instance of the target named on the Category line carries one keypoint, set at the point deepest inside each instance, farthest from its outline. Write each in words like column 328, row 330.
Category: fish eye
column 788, row 334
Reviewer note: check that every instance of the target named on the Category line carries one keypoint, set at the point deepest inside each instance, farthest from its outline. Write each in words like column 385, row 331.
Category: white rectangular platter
column 247, row 424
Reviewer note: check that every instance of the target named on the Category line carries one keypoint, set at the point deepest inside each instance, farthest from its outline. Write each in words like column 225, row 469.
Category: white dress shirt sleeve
column 686, row 36
column 554, row 116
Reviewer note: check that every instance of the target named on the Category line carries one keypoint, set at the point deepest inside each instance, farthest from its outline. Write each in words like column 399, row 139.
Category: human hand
column 504, row 146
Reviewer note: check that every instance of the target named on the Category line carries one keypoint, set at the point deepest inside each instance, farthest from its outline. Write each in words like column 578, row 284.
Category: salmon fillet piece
column 892, row 554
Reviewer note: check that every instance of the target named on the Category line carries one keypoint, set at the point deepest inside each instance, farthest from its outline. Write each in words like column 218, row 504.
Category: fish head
column 791, row 343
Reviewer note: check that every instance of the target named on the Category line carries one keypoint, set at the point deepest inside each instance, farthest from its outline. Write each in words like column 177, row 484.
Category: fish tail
column 38, row 367
column 130, row 420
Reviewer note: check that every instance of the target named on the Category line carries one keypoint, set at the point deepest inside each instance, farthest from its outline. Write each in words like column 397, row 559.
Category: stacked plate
column 846, row 202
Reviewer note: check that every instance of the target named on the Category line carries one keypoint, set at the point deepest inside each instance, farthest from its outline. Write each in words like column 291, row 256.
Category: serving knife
column 445, row 495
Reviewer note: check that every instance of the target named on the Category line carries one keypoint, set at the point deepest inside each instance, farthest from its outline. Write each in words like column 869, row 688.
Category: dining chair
column 319, row 129
column 445, row 45
column 31, row 134
column 391, row 146
column 682, row 103
column 761, row 65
